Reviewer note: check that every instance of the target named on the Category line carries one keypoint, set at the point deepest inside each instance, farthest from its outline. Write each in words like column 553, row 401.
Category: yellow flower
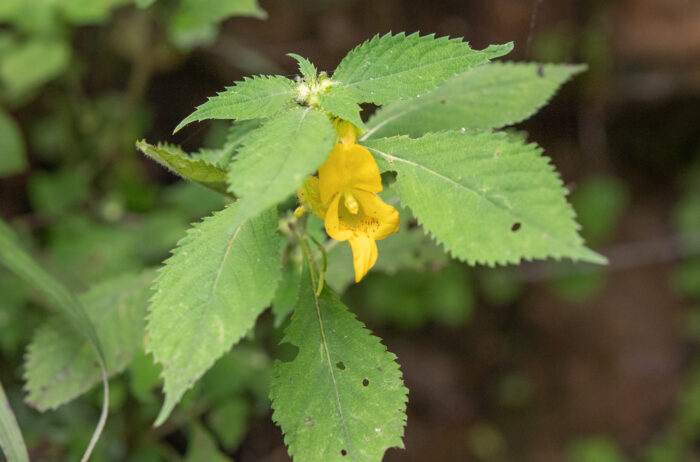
column 344, row 195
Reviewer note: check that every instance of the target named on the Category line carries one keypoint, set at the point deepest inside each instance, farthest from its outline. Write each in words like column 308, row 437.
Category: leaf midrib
column 414, row 69
column 207, row 307
column 329, row 361
column 392, row 158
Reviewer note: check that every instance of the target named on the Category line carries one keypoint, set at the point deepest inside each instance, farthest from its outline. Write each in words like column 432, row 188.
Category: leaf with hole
column 342, row 397
column 486, row 197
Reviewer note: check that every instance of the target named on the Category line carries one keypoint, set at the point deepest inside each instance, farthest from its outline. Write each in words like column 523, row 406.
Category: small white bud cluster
column 308, row 90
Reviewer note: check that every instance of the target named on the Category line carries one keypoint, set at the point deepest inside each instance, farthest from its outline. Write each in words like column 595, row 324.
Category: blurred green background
column 545, row 362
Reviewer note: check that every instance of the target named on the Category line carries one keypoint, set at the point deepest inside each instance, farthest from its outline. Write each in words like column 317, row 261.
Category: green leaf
column 11, row 441
column 490, row 96
column 279, row 156
column 195, row 22
column 12, row 151
column 209, row 293
column 144, row 3
column 202, row 447
column 12, row 256
column 306, row 67
column 253, row 98
column 60, row 365
column 32, row 64
column 82, row 12
column 288, row 291
column 399, row 66
column 342, row 398
column 486, row 197
column 198, row 170
column 341, row 102
column 237, row 136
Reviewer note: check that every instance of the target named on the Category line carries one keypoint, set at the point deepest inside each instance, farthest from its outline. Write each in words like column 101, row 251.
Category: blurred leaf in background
column 594, row 449
column 13, row 158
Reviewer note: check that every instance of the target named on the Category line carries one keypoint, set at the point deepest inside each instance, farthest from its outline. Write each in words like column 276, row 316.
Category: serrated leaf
column 252, row 98
column 279, row 156
column 209, row 293
column 342, row 398
column 237, row 136
column 60, row 364
column 198, row 170
column 306, row 67
column 399, row 66
column 490, row 96
column 12, row 151
column 486, row 197
column 341, row 102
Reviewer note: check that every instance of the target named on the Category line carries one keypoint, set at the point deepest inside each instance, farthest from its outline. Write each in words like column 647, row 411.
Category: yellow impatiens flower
column 344, row 196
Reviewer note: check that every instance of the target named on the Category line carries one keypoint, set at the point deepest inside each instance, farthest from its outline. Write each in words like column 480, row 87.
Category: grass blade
column 11, row 441
column 29, row 270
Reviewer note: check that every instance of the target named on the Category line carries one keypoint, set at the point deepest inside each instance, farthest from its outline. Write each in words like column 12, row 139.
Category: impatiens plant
column 488, row 197
column 431, row 152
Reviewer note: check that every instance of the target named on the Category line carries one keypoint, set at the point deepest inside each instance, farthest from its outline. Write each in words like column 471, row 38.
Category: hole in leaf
column 516, row 226
column 365, row 382
column 540, row 70
column 340, row 365
column 343, row 452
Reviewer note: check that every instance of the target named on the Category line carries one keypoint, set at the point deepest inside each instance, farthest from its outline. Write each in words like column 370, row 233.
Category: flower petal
column 335, row 229
column 364, row 255
column 348, row 166
column 379, row 218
